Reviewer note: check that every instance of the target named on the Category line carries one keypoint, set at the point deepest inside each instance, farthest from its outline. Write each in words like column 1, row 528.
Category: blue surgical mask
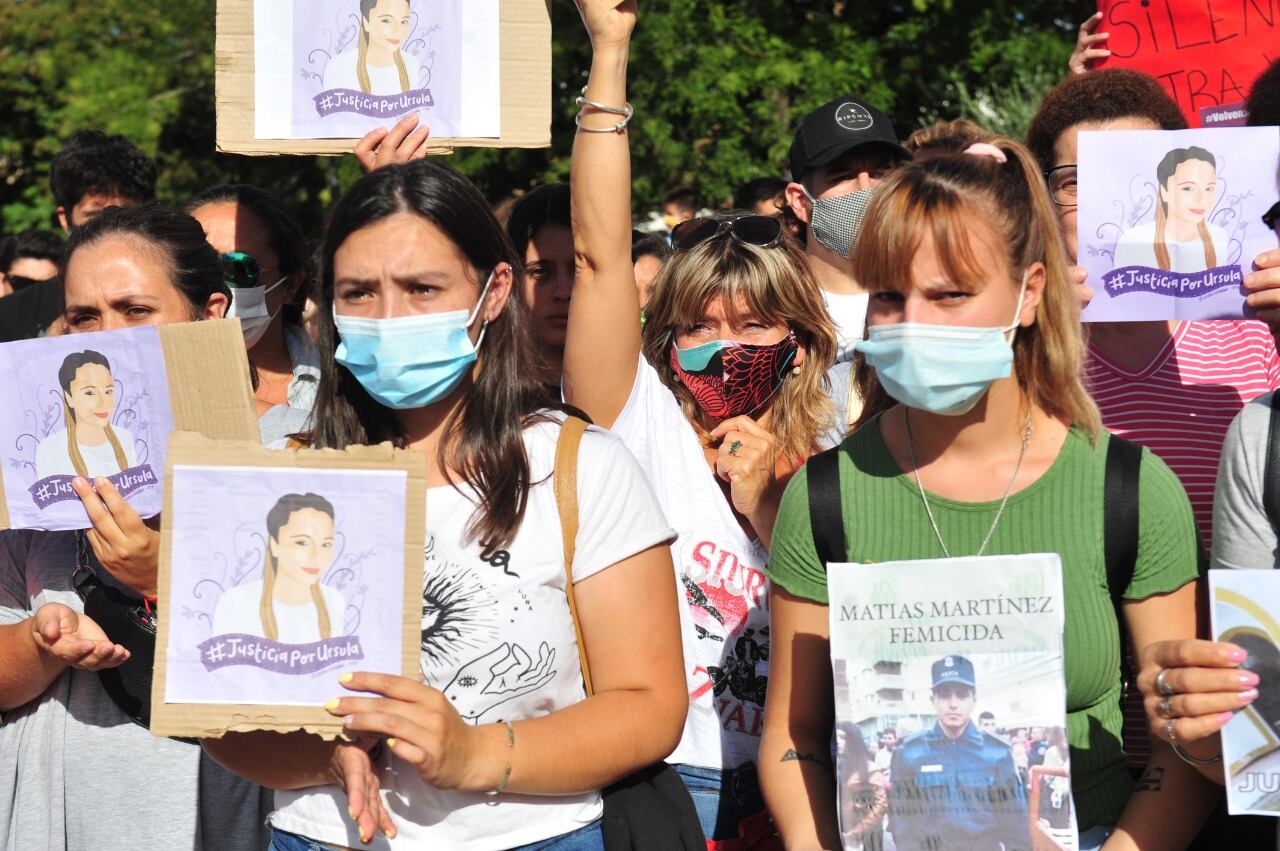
column 409, row 361
column 943, row 369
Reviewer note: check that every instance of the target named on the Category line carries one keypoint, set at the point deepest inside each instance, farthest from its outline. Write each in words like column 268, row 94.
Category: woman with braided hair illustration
column 89, row 445
column 377, row 65
column 1181, row 239
column 290, row 604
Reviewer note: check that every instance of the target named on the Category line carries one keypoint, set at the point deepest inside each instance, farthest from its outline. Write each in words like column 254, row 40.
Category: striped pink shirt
column 1181, row 404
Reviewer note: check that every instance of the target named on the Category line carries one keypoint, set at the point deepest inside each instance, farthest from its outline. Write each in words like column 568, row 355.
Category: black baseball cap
column 836, row 128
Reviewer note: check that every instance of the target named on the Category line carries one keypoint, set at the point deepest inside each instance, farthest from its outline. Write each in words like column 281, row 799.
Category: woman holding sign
column 978, row 438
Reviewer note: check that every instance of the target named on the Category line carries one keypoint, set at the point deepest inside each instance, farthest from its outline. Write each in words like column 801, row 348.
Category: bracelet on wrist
column 584, row 103
column 1194, row 760
column 506, row 775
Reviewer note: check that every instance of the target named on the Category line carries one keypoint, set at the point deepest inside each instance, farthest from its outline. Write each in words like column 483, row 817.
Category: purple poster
column 1169, row 222
column 82, row 405
column 281, row 580
column 339, row 68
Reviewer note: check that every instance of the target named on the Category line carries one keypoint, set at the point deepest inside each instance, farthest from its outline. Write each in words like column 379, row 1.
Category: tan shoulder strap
column 566, row 484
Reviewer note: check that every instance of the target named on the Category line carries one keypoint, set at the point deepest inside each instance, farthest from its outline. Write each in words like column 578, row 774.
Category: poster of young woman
column 1168, row 222
column 955, row 667
column 82, row 406
column 339, row 68
column 1246, row 612
column 278, row 579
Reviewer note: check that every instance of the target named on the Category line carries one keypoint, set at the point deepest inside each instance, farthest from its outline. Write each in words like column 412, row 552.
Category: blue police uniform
column 960, row 794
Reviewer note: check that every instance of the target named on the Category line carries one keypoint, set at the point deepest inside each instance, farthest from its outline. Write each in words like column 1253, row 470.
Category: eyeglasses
column 240, row 270
column 1062, row 184
column 1272, row 216
column 762, row 231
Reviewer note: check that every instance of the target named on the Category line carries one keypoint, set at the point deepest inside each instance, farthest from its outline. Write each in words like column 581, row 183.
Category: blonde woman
column 377, row 66
column 979, row 437
column 721, row 399
column 290, row 604
column 89, row 445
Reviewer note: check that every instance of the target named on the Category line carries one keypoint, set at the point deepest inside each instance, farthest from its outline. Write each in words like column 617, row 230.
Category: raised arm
column 602, row 347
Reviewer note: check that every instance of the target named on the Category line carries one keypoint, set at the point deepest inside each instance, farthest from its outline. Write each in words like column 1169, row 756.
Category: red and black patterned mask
column 729, row 379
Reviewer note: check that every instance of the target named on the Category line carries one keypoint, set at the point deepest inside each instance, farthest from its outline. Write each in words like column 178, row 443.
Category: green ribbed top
column 1061, row 513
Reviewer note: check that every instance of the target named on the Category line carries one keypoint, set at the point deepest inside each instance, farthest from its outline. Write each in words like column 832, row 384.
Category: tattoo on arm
column 1152, row 780
column 792, row 755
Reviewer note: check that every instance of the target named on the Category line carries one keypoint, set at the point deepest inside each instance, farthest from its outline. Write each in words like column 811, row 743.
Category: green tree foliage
column 718, row 87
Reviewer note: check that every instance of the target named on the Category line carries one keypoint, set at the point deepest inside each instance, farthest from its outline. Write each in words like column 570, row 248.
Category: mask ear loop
column 484, row 293
column 1012, row 328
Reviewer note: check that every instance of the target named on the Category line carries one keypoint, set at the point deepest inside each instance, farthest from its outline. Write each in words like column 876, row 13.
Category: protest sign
column 280, row 571
column 311, row 76
column 103, row 405
column 957, row 656
column 1246, row 612
column 1169, row 222
column 1205, row 54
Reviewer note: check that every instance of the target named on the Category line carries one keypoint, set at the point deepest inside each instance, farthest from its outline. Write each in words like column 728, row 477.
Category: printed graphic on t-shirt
column 459, row 611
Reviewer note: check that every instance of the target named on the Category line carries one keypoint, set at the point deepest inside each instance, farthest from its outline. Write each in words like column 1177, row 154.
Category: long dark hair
column 285, row 507
column 194, row 268
column 282, row 229
column 482, row 440
column 1164, row 171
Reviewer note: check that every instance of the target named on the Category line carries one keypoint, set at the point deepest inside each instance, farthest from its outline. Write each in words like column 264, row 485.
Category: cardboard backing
column 207, row 720
column 210, row 390
column 525, row 37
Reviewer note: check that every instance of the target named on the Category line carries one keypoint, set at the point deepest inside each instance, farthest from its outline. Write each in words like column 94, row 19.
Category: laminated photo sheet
column 1246, row 612
column 280, row 572
column 103, row 405
column 1170, row 221
column 962, row 659
column 329, row 69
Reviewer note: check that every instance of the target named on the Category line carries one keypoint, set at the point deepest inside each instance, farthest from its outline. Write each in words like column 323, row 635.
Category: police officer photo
column 955, row 786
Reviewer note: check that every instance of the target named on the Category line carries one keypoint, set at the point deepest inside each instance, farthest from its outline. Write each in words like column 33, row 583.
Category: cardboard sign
column 1206, row 54
column 1246, row 613
column 103, row 404
column 280, row 571
column 305, row 76
column 955, row 656
column 1170, row 221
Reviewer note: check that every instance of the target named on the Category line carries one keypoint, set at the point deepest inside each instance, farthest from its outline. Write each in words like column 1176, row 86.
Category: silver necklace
column 911, row 448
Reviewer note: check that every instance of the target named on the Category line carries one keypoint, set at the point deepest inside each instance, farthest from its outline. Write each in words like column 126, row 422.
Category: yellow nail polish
column 351, row 813
column 331, row 704
column 391, row 743
column 345, row 678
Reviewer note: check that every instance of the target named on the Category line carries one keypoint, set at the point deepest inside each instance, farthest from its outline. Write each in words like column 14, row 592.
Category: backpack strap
column 566, row 487
column 1120, row 518
column 826, row 514
column 1270, row 487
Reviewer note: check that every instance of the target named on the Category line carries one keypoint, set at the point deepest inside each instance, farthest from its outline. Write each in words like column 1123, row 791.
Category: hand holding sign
column 1090, row 46
column 403, row 143
column 1263, row 284
column 122, row 542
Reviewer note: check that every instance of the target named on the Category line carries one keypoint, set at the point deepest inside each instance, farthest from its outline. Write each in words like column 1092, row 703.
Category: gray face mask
column 837, row 222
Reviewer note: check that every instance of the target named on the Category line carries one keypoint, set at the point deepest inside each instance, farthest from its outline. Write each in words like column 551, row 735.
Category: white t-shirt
column 53, row 459
column 498, row 639
column 1137, row 247
column 340, row 73
column 725, row 616
column 849, row 312
column 237, row 612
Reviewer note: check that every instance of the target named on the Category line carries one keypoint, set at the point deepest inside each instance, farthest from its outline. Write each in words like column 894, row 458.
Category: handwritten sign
column 1206, row 54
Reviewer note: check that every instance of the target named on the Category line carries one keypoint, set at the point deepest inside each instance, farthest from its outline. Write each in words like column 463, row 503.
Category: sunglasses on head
column 240, row 270
column 762, row 231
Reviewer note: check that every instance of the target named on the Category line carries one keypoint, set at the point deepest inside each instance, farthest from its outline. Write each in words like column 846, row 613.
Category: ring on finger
column 734, row 447
column 1165, row 707
column 1168, row 732
column 1163, row 687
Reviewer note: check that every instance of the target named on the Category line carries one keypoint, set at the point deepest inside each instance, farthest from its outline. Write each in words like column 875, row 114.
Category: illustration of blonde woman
column 89, row 445
column 289, row 604
column 376, row 65
column 1181, row 239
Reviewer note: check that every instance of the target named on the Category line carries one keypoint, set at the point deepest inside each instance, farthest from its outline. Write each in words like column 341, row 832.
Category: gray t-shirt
column 76, row 773
column 1243, row 536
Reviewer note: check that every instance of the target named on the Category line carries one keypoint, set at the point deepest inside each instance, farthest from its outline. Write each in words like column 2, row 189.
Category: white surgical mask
column 249, row 305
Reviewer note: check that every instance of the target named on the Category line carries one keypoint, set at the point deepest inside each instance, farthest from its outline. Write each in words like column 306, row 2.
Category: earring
column 795, row 370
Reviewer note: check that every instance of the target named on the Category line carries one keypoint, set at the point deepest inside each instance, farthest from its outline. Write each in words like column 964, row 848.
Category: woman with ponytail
column 290, row 604
column 1181, row 239
column 995, row 434
column 89, row 445
column 377, row 66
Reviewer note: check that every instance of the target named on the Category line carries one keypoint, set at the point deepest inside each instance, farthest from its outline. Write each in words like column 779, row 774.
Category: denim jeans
column 723, row 799
column 1092, row 839
column 588, row 838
